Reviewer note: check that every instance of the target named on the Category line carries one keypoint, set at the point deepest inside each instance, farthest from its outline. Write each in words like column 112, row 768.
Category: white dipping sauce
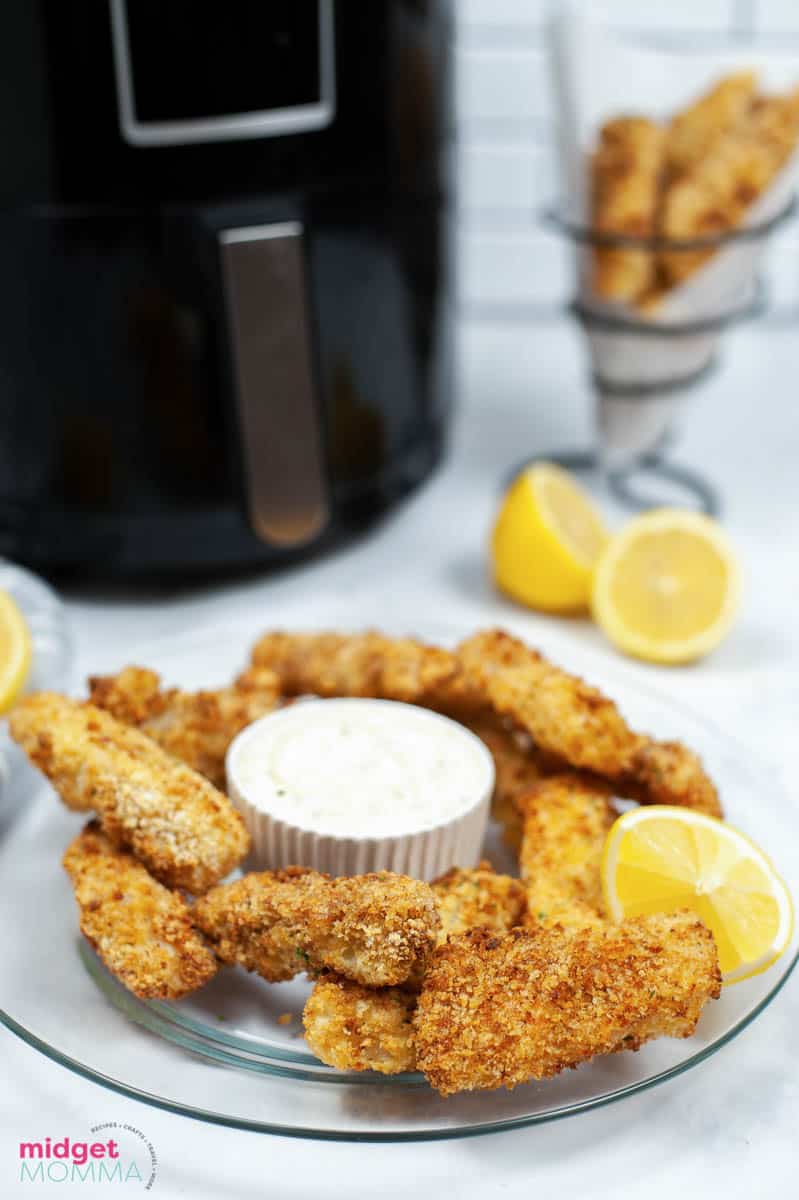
column 360, row 768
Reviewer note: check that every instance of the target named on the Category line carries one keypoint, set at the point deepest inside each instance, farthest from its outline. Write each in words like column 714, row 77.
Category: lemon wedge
column 546, row 541
column 666, row 588
column 15, row 651
column 661, row 859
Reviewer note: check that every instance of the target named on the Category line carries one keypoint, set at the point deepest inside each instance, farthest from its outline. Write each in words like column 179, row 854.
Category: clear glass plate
column 223, row 1056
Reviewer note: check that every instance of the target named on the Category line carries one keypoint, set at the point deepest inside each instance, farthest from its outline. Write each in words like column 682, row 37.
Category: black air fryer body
column 221, row 325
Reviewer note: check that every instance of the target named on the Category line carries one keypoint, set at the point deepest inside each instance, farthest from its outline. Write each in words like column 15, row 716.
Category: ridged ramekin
column 423, row 853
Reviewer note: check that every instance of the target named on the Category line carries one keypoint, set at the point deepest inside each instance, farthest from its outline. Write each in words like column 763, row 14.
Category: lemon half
column 15, row 651
column 661, row 859
column 546, row 541
column 666, row 589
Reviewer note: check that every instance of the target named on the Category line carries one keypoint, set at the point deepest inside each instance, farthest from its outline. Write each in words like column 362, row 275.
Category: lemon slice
column 662, row 859
column 15, row 651
column 546, row 540
column 666, row 588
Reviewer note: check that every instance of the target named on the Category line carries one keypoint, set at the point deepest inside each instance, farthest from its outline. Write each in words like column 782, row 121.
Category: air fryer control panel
column 186, row 74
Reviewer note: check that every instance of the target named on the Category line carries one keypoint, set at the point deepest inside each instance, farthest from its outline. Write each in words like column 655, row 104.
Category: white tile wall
column 502, row 14
column 507, row 86
column 666, row 15
column 492, row 180
column 775, row 16
column 530, row 269
column 503, row 158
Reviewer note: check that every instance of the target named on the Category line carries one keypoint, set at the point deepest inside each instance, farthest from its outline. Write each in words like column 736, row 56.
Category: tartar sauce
column 360, row 768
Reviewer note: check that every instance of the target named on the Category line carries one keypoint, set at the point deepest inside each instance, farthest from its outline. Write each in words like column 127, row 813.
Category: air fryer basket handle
column 270, row 339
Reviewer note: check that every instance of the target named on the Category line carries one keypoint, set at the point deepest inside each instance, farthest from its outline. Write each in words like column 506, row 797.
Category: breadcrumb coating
column 186, row 832
column 141, row 930
column 625, row 178
column 468, row 898
column 195, row 727
column 365, row 664
column 565, row 716
column 356, row 1028
column 566, row 822
column 571, row 721
column 669, row 773
column 693, row 131
column 737, row 168
column 496, row 1011
column 376, row 929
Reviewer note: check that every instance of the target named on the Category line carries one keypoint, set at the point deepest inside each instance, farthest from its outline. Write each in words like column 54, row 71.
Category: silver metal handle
column 263, row 272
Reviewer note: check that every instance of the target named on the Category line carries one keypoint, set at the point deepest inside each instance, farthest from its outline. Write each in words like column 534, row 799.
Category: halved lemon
column 15, row 651
column 661, row 859
column 546, row 541
column 666, row 588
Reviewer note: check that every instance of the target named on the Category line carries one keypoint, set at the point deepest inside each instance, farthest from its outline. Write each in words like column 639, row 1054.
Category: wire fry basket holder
column 643, row 370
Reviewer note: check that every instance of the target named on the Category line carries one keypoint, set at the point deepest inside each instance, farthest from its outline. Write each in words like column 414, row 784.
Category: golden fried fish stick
column 141, row 930
column 366, row 664
column 737, row 169
column 625, row 174
column 478, row 897
column 574, row 722
column 694, row 130
column 249, row 921
column 496, row 1011
column 195, row 727
column 356, row 1028
column 669, row 773
column 564, row 716
column 186, row 832
column 376, row 929
column 566, row 821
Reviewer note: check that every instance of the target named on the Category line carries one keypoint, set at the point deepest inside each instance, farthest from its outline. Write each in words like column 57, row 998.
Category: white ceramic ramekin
column 423, row 853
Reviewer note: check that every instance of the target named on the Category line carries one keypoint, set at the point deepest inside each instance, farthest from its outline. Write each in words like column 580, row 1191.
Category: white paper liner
column 600, row 74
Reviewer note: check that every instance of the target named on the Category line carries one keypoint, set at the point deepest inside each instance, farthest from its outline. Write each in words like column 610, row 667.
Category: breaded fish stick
column 498, row 1011
column 694, row 130
column 141, row 930
column 737, row 169
column 365, row 664
column 566, row 821
column 376, row 929
column 185, row 832
column 570, row 720
column 478, row 897
column 625, row 176
column 356, row 1028
column 565, row 716
column 195, row 727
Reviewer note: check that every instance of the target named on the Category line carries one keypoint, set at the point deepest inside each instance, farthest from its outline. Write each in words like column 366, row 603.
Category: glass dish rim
column 503, row 1124
column 209, row 1117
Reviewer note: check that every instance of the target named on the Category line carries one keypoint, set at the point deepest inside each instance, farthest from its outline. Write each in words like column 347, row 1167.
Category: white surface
column 729, row 1127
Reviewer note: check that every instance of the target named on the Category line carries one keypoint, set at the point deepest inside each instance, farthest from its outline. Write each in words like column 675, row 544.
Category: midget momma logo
column 112, row 1153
